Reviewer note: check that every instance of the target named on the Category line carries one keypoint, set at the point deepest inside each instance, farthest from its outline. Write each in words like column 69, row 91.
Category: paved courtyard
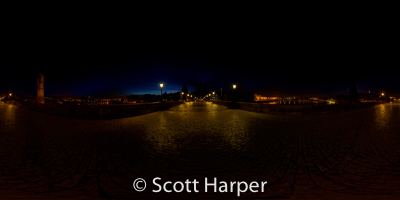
column 353, row 155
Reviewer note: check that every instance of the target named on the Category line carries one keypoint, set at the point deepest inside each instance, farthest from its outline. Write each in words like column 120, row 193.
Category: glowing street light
column 234, row 86
column 213, row 92
column 10, row 94
column 382, row 94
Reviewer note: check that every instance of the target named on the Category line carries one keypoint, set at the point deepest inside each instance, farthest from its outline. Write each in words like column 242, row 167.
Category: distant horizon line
column 265, row 93
column 280, row 96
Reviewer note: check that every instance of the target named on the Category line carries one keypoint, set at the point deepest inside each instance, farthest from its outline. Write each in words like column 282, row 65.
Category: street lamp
column 10, row 94
column 382, row 94
column 161, row 86
column 234, row 93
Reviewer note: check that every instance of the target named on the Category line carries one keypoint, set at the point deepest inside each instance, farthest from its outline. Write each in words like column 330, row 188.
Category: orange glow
column 258, row 97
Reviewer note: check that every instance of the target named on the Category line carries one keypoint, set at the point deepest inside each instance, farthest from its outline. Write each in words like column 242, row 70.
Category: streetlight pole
column 234, row 93
column 161, row 86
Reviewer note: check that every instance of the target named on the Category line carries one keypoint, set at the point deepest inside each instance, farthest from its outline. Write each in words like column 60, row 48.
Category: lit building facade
column 258, row 97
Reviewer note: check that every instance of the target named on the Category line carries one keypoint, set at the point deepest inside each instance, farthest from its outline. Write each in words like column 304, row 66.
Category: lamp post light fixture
column 382, row 94
column 10, row 94
column 234, row 86
column 161, row 86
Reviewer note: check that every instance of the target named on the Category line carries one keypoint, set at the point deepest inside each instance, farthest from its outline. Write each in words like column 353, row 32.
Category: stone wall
column 97, row 111
column 302, row 109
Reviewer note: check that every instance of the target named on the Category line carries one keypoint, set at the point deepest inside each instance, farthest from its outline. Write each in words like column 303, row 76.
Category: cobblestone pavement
column 354, row 154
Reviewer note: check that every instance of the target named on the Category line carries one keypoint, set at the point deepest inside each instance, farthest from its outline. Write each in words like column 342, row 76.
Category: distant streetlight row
column 162, row 85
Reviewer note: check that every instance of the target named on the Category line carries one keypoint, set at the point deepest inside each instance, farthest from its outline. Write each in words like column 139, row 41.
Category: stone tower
column 201, row 89
column 40, row 89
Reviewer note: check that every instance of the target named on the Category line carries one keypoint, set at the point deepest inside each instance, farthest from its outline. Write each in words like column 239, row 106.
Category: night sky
column 95, row 52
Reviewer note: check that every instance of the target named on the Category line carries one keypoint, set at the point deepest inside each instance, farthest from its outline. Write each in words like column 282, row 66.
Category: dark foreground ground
column 351, row 155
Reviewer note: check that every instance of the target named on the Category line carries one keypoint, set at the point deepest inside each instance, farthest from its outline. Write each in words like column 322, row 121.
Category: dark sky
column 94, row 51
